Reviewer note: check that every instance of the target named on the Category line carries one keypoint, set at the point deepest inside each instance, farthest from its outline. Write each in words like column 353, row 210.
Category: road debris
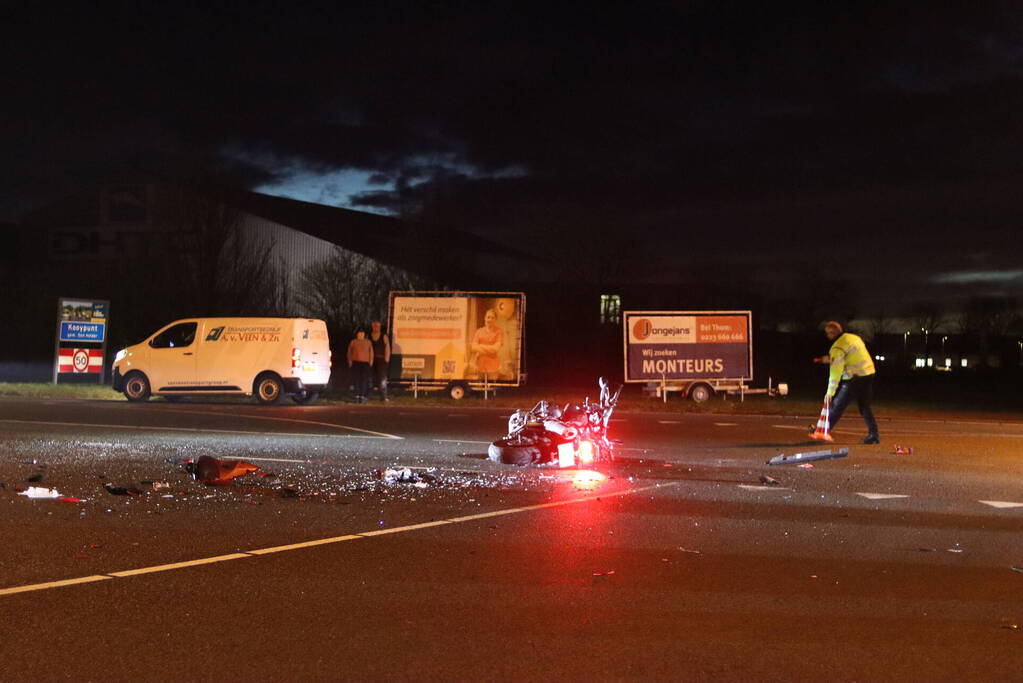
column 782, row 459
column 901, row 450
column 39, row 492
column 767, row 481
column 216, row 472
column 805, row 466
column 406, row 475
column 1017, row 569
column 122, row 490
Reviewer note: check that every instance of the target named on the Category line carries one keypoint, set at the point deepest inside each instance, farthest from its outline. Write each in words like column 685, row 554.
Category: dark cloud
column 667, row 118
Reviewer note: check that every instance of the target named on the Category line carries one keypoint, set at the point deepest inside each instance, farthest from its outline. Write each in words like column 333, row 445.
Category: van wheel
column 269, row 389
column 305, row 398
column 701, row 393
column 136, row 387
column 458, row 391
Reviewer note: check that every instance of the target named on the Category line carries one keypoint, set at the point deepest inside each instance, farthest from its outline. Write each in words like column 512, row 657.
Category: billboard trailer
column 457, row 341
column 696, row 353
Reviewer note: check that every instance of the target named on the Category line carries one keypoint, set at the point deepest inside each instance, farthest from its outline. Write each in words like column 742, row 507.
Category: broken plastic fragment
column 39, row 492
column 902, row 450
column 122, row 490
column 210, row 470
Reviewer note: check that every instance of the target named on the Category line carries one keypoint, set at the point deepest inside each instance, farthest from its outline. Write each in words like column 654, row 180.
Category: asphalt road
column 678, row 564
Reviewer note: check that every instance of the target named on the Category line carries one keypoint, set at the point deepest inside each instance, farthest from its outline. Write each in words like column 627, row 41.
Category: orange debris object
column 210, row 470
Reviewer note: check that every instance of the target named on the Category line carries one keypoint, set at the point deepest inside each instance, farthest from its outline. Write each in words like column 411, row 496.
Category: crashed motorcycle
column 575, row 435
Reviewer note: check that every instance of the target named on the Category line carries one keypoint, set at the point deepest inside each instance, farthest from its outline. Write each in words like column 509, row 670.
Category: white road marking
column 287, row 419
column 194, row 430
column 323, row 541
column 911, row 432
column 763, row 487
column 881, row 496
column 304, row 462
column 458, row 441
column 726, row 424
column 1001, row 503
column 805, row 430
column 669, row 422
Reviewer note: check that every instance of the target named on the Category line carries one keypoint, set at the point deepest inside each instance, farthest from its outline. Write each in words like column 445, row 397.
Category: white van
column 268, row 357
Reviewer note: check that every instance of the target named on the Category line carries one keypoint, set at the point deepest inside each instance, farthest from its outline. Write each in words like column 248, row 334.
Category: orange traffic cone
column 821, row 431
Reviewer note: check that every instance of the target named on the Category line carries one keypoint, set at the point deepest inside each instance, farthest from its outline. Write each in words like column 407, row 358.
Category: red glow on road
column 588, row 479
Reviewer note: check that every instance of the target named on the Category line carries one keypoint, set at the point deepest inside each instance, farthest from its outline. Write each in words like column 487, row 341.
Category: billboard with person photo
column 448, row 336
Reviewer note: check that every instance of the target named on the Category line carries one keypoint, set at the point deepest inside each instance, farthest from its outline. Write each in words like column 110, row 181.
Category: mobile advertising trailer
column 696, row 353
column 457, row 341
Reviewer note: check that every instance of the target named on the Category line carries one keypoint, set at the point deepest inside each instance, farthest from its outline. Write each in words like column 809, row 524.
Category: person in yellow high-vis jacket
column 852, row 374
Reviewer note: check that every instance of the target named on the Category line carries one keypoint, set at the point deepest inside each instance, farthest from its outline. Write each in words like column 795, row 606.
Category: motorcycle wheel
column 515, row 451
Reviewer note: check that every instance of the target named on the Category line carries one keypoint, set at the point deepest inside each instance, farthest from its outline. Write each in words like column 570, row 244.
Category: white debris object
column 40, row 492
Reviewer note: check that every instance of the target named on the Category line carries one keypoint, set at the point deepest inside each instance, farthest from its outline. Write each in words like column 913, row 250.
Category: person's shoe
column 871, row 439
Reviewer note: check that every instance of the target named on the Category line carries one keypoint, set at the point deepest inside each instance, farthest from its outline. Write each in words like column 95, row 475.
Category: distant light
column 930, row 362
column 964, row 362
column 920, row 363
column 948, row 362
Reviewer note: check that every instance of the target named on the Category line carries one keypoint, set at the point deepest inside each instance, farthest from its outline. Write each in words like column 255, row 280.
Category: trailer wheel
column 136, row 387
column 700, row 393
column 515, row 451
column 269, row 389
column 458, row 390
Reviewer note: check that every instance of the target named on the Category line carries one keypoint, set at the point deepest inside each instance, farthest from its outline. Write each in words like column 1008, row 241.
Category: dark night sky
column 751, row 134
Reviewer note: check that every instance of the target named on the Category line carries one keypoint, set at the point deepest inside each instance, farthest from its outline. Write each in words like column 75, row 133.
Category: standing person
column 360, row 355
column 381, row 358
column 486, row 344
column 852, row 374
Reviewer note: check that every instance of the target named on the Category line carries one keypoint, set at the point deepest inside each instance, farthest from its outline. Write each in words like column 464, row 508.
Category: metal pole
column 486, row 385
column 415, row 385
column 664, row 390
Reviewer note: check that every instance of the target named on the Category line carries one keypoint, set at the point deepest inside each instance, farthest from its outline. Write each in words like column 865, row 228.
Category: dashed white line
column 289, row 419
column 881, row 496
column 1001, row 503
column 762, row 487
column 458, row 441
column 193, row 430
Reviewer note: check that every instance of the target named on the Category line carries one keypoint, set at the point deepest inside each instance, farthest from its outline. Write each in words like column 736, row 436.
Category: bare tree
column 223, row 269
column 348, row 289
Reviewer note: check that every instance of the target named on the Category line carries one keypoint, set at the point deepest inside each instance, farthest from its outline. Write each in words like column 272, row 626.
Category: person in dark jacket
column 381, row 358
column 360, row 355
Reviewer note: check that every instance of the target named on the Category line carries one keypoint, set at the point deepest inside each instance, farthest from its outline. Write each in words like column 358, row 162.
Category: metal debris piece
column 782, row 459
column 1017, row 569
column 769, row 481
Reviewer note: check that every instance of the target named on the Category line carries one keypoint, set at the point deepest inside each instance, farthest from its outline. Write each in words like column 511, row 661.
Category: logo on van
column 214, row 334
